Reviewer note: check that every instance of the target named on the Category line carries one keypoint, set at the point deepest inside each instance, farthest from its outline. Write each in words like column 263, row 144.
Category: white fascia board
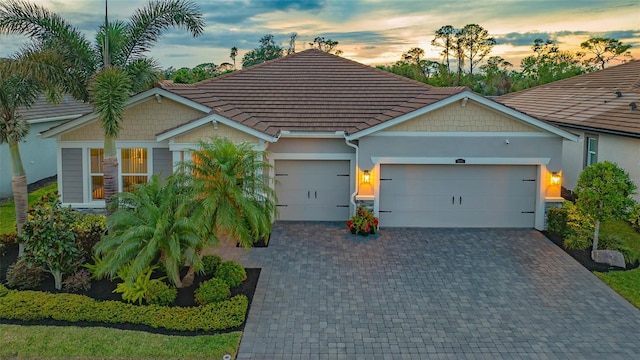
column 134, row 100
column 313, row 135
column 55, row 118
column 460, row 134
column 452, row 161
column 208, row 120
column 477, row 98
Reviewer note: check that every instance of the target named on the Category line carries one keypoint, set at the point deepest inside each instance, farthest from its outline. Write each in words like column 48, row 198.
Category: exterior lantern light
column 555, row 178
column 366, row 177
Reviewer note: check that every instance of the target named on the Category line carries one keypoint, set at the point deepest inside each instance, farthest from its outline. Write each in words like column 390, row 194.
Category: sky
column 372, row 32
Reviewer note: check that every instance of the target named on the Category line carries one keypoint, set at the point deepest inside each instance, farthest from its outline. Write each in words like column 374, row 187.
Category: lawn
column 17, row 342
column 8, row 211
column 625, row 283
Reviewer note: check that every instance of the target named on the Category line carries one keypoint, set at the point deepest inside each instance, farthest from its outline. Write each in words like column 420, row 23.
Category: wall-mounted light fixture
column 159, row 98
column 215, row 124
column 464, row 101
column 555, row 178
column 366, row 177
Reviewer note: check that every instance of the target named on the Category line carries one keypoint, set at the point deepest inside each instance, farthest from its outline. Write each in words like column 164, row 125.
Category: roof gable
column 600, row 100
column 311, row 91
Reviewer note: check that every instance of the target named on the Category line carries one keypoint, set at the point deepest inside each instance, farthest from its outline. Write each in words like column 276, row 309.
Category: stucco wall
column 572, row 160
column 38, row 158
column 471, row 118
column 207, row 131
column 141, row 122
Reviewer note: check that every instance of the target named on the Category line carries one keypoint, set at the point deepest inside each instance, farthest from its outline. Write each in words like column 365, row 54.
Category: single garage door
column 315, row 190
column 457, row 195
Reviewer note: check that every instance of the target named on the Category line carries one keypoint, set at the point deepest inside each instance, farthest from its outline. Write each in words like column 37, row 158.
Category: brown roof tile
column 586, row 101
column 311, row 91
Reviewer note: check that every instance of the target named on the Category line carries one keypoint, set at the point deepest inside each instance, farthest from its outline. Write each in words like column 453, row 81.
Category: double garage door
column 457, row 195
column 314, row 190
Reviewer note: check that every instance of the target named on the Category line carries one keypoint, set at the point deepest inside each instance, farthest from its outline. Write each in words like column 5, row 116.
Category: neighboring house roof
column 600, row 101
column 311, row 91
column 42, row 111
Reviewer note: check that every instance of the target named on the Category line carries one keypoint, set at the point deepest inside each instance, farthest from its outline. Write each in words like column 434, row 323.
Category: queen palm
column 23, row 78
column 235, row 198
column 109, row 73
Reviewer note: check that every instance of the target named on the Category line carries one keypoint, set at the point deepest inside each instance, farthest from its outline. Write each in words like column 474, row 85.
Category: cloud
column 521, row 39
column 239, row 11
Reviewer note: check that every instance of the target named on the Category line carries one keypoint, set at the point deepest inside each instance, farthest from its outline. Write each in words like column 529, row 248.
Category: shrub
column 159, row 293
column 7, row 240
column 3, row 290
column 557, row 220
column 212, row 291
column 363, row 222
column 210, row 264
column 135, row 290
column 78, row 282
column 36, row 305
column 88, row 229
column 580, row 228
column 634, row 217
column 232, row 273
column 22, row 275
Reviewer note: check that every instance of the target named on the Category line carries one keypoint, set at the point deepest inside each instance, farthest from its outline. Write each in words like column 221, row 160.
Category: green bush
column 210, row 264
column 78, row 282
column 88, row 229
column 634, row 217
column 36, row 305
column 212, row 291
column 159, row 293
column 3, row 290
column 232, row 273
column 557, row 220
column 580, row 228
column 22, row 275
column 135, row 290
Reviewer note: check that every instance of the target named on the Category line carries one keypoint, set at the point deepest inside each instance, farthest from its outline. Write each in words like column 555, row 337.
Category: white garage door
column 457, row 195
column 316, row 190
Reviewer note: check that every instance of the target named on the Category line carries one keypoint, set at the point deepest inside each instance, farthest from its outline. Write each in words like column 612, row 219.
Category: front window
column 591, row 153
column 134, row 167
column 97, row 175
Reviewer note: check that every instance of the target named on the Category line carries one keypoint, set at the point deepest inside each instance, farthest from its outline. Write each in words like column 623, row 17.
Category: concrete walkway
column 429, row 294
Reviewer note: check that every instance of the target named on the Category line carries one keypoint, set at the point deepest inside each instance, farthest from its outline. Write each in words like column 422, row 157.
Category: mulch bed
column 584, row 256
column 103, row 290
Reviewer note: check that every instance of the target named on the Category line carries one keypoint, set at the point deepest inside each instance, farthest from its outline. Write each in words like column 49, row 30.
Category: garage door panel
column 315, row 190
column 457, row 196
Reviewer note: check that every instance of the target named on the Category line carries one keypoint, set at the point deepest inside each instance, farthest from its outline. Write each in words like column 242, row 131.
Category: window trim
column 588, row 150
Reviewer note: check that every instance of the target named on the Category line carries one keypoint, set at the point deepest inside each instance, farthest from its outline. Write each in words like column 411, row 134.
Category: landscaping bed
column 102, row 290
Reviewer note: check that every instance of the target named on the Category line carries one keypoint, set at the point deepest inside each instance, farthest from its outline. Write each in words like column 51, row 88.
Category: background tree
column 548, row 63
column 326, row 45
column 496, row 77
column 605, row 50
column 107, row 80
column 604, row 192
column 292, row 44
column 234, row 53
column 445, row 38
column 200, row 72
column 476, row 42
column 23, row 78
column 268, row 50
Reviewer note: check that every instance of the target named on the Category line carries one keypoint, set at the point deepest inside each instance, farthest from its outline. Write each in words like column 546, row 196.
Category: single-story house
column 339, row 134
column 602, row 107
column 39, row 155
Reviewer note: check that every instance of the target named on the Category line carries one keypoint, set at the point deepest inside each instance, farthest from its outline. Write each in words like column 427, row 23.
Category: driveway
column 429, row 293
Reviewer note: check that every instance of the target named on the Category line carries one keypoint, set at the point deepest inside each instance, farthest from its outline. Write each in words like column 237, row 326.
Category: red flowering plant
column 363, row 222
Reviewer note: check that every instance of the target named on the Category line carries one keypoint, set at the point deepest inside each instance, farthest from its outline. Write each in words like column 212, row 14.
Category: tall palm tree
column 235, row 199
column 107, row 80
column 153, row 223
column 23, row 78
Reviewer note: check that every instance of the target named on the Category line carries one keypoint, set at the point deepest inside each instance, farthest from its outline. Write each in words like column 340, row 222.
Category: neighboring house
column 602, row 107
column 338, row 133
column 39, row 155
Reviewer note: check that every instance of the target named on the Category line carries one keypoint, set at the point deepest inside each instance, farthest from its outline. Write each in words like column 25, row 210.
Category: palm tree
column 235, row 199
column 23, row 78
column 153, row 224
column 109, row 73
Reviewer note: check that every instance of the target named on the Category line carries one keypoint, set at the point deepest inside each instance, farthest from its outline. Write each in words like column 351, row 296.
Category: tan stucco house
column 602, row 108
column 338, row 133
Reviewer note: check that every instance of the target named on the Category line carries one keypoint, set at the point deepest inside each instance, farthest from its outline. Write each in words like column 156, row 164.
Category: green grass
column 8, row 211
column 64, row 342
column 624, row 230
column 625, row 283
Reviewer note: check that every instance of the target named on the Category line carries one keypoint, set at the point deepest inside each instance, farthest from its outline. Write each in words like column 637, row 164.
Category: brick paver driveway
column 429, row 293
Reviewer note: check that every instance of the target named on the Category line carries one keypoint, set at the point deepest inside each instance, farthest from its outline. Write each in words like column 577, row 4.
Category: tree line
column 462, row 62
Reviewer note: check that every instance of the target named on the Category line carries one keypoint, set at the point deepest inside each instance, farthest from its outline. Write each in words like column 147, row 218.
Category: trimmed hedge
column 36, row 305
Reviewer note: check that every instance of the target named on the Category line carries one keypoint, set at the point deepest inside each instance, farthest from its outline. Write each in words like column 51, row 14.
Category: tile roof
column 311, row 91
column 68, row 107
column 587, row 101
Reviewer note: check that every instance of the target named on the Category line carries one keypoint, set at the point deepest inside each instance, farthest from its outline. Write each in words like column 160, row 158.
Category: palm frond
column 110, row 91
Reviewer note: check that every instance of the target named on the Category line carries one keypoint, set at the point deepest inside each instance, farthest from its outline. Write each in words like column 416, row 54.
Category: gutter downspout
column 352, row 197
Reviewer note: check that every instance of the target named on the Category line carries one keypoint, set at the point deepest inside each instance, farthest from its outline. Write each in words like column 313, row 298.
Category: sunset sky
column 369, row 31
